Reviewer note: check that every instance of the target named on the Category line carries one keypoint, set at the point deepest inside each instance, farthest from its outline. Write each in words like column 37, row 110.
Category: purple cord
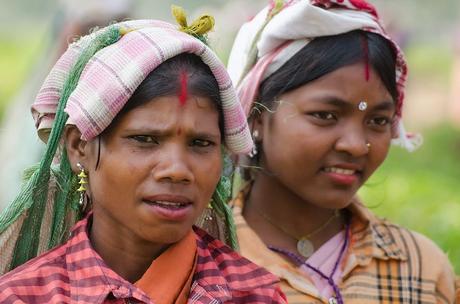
column 299, row 261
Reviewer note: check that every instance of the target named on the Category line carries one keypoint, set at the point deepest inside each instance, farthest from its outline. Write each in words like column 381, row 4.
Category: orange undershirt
column 169, row 277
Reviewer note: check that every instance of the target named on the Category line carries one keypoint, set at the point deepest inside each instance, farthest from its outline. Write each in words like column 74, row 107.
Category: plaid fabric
column 384, row 264
column 75, row 273
column 113, row 74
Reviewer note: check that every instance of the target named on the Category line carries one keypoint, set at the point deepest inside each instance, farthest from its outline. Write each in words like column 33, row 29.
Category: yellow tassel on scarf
column 198, row 28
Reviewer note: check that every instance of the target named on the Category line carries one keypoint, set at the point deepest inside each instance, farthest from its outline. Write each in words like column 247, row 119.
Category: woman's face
column 316, row 143
column 159, row 165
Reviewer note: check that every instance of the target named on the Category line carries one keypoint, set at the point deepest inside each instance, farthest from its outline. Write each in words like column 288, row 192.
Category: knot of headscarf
column 199, row 27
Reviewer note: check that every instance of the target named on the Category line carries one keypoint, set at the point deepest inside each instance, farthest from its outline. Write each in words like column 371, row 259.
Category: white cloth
column 293, row 27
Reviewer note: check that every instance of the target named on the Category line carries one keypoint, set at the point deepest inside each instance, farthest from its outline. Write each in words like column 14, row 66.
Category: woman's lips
column 170, row 207
column 342, row 176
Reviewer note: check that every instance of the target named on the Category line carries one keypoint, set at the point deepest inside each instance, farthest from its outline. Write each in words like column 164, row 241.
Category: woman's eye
column 202, row 143
column 380, row 121
column 145, row 139
column 323, row 115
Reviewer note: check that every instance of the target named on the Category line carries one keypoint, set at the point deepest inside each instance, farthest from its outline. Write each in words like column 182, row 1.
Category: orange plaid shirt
column 384, row 263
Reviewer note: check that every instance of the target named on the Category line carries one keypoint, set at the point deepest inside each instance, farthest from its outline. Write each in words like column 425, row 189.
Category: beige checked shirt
column 384, row 263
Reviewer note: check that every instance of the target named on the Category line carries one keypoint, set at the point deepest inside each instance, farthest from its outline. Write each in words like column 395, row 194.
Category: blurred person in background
column 323, row 86
column 73, row 18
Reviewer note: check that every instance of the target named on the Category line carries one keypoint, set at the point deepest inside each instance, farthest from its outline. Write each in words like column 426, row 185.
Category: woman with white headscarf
column 323, row 86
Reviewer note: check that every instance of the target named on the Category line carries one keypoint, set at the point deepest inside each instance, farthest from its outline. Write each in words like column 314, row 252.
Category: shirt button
column 333, row 300
column 121, row 292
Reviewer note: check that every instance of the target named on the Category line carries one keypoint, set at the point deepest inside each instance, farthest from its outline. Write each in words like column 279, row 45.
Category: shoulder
column 36, row 278
column 422, row 257
column 218, row 264
column 414, row 244
column 395, row 240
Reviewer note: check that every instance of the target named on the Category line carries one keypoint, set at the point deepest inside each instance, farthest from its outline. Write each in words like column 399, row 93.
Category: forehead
column 349, row 83
column 197, row 112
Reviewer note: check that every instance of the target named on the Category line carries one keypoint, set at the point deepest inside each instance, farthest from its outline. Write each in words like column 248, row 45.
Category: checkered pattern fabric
column 384, row 263
column 75, row 273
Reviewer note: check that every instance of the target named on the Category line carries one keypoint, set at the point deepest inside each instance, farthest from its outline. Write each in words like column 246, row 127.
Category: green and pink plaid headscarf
column 113, row 74
column 88, row 87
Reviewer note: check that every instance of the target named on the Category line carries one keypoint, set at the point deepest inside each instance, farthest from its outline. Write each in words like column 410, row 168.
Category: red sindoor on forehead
column 183, row 88
column 365, row 47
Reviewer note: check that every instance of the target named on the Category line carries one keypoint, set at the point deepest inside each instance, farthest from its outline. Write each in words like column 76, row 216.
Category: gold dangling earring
column 212, row 223
column 209, row 212
column 83, row 182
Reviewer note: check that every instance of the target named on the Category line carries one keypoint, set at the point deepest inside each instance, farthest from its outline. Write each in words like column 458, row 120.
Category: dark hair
column 326, row 54
column 165, row 81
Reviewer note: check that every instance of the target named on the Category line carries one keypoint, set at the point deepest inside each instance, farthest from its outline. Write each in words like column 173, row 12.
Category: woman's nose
column 353, row 141
column 173, row 167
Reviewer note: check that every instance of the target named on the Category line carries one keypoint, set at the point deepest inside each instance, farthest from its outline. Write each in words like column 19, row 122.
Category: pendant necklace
column 338, row 299
column 304, row 245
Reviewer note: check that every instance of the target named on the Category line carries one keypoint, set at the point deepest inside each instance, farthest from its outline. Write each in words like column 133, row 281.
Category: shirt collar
column 372, row 237
column 87, row 270
column 212, row 257
column 252, row 247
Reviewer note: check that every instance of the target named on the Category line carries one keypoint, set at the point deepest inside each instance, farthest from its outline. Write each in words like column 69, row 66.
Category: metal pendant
column 333, row 300
column 305, row 247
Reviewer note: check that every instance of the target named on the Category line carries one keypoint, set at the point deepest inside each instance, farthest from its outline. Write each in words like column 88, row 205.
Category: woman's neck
column 122, row 251
column 272, row 210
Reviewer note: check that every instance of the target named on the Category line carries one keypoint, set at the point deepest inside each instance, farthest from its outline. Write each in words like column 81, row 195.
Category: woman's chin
column 337, row 203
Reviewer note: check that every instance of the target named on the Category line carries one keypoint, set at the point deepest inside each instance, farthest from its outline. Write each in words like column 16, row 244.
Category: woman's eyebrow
column 205, row 135
column 159, row 131
column 385, row 105
column 341, row 103
column 333, row 101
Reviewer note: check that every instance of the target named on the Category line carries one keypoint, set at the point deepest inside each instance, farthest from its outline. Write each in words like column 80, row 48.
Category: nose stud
column 362, row 106
column 368, row 145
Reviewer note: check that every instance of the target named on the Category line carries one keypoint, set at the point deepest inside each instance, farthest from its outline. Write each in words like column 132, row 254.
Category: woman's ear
column 257, row 126
column 76, row 147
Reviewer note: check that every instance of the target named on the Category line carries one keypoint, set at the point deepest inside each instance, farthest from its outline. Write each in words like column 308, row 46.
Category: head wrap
column 88, row 86
column 283, row 28
column 113, row 74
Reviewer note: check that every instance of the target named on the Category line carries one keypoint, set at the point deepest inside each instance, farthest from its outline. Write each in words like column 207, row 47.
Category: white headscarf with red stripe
column 283, row 28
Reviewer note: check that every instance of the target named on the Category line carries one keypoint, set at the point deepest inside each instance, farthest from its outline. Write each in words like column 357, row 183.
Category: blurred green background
column 419, row 190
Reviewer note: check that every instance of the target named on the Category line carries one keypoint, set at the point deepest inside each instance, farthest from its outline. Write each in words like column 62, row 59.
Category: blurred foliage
column 17, row 57
column 429, row 61
column 420, row 190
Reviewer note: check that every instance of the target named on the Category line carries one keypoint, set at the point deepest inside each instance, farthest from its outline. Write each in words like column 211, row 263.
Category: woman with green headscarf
column 137, row 117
